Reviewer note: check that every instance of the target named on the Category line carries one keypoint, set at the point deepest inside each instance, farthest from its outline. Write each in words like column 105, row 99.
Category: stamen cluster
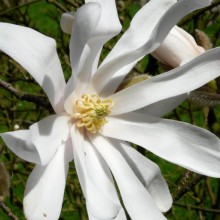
column 91, row 112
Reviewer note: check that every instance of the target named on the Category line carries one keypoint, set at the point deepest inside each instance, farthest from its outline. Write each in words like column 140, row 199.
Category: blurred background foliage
column 195, row 197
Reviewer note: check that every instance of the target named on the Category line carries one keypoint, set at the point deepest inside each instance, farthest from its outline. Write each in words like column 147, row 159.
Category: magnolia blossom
column 92, row 123
column 178, row 48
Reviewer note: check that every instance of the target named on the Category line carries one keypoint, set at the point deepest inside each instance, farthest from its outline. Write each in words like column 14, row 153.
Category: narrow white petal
column 81, row 56
column 163, row 107
column 98, row 204
column 99, row 172
column 37, row 54
column 93, row 25
column 150, row 175
column 141, row 28
column 194, row 148
column 48, row 134
column 109, row 76
column 86, row 19
column 19, row 143
column 136, row 198
column 176, row 82
column 45, row 187
column 121, row 216
column 79, row 160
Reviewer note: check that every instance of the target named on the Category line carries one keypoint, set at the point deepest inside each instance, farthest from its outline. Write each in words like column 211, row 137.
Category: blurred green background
column 200, row 202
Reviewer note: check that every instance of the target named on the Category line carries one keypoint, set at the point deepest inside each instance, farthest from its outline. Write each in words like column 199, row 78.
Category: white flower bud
column 178, row 48
column 16, row 127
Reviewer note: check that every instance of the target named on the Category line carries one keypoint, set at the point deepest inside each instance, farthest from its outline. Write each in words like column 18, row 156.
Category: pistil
column 91, row 112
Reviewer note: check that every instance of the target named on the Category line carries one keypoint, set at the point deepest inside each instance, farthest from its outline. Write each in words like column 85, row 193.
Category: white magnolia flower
column 92, row 123
column 178, row 48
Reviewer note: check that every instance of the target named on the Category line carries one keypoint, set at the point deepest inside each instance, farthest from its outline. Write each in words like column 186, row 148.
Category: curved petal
column 163, row 107
column 37, row 54
column 45, row 187
column 66, row 22
column 93, row 25
column 86, row 19
column 136, row 198
column 79, row 160
column 109, row 76
column 99, row 173
column 150, row 176
column 121, row 216
column 98, row 204
column 178, row 81
column 109, row 24
column 84, row 23
column 141, row 28
column 48, row 134
column 194, row 148
column 19, row 143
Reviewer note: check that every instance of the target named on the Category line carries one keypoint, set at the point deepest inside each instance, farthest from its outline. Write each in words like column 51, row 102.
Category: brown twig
column 7, row 211
column 74, row 4
column 197, row 13
column 58, row 5
column 37, row 99
column 17, row 7
column 198, row 208
column 205, row 98
column 186, row 183
column 188, row 180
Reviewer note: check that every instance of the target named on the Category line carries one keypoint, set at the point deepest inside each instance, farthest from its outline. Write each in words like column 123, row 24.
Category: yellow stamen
column 91, row 112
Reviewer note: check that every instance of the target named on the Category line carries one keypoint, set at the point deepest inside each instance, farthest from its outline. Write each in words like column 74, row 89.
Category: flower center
column 91, row 112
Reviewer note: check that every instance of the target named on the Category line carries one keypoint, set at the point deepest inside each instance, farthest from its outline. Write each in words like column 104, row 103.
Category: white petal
column 176, row 82
column 109, row 23
column 85, row 21
column 98, row 204
column 109, row 76
column 136, row 198
column 79, row 160
column 94, row 24
column 48, row 134
column 45, row 187
column 66, row 22
column 141, row 28
column 149, row 174
column 121, row 216
column 163, row 107
column 20, row 144
column 99, row 173
column 37, row 54
column 194, row 148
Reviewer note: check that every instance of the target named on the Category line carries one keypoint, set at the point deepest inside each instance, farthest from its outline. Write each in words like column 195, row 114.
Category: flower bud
column 203, row 39
column 178, row 48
